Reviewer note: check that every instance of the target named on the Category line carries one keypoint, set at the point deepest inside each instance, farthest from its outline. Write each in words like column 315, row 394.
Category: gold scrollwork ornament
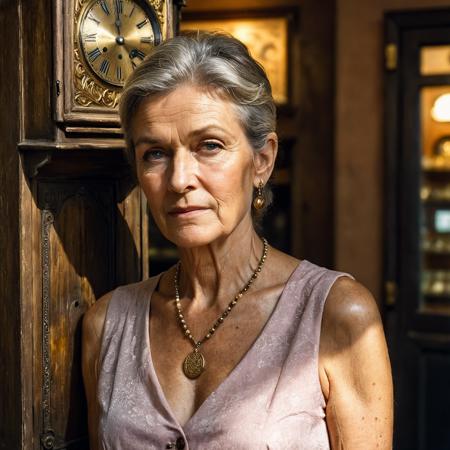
column 88, row 91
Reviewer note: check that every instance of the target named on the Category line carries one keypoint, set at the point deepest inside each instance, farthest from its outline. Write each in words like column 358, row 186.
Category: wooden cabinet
column 74, row 223
column 417, row 264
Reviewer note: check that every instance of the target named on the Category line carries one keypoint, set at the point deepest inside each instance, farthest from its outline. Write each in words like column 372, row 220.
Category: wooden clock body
column 84, row 95
column 74, row 223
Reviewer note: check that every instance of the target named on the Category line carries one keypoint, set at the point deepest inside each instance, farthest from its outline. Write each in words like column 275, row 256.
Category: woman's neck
column 212, row 275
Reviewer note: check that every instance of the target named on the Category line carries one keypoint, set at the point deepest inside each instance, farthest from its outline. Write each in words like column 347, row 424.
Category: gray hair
column 214, row 60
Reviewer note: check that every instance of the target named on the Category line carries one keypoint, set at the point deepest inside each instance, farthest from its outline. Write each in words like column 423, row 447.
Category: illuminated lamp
column 441, row 108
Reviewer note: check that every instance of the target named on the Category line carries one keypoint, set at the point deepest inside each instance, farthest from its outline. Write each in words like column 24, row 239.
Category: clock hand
column 118, row 22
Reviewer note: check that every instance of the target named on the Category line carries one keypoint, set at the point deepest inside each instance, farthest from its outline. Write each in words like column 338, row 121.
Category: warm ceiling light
column 441, row 109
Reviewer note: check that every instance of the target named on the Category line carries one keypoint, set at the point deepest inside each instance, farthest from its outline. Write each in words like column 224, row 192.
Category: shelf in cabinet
column 436, row 252
column 435, row 202
column 163, row 254
column 436, row 169
column 430, row 296
column 435, row 304
column 439, row 309
column 435, row 165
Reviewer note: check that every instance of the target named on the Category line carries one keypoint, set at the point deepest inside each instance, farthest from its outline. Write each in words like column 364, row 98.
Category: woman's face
column 194, row 164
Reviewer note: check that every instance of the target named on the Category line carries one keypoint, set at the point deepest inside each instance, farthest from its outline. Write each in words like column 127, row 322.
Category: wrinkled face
column 194, row 164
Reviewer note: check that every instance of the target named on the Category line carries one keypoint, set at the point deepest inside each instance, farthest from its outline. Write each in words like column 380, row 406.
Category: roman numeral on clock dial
column 104, row 6
column 94, row 54
column 119, row 73
column 104, row 66
column 142, row 24
column 140, row 54
column 91, row 17
column 90, row 37
column 118, row 4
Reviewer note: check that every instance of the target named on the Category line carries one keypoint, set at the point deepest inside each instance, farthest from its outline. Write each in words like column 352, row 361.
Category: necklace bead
column 194, row 363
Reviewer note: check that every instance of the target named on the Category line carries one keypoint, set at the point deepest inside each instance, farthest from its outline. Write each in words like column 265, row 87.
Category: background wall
column 359, row 155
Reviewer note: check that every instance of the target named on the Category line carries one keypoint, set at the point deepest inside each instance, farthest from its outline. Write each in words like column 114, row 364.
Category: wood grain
column 10, row 364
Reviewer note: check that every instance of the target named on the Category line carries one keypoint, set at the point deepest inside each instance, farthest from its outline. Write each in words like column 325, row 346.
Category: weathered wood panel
column 37, row 68
column 77, row 263
column 10, row 369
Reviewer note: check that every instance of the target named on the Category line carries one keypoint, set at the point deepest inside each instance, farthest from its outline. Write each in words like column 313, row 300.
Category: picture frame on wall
column 265, row 33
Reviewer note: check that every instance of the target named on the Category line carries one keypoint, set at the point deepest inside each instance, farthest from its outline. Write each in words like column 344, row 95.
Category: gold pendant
column 194, row 364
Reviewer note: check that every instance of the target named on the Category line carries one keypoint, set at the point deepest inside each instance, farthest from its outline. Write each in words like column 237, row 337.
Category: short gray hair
column 213, row 60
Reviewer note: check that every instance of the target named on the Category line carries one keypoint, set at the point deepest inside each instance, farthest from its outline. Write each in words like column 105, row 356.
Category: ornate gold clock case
column 98, row 43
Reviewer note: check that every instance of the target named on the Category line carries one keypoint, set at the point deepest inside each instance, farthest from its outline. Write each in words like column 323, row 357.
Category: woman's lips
column 187, row 211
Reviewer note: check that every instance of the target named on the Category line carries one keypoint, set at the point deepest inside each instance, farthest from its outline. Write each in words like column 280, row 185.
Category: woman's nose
column 182, row 172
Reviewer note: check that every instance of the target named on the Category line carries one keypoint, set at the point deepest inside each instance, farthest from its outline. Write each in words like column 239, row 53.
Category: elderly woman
column 239, row 346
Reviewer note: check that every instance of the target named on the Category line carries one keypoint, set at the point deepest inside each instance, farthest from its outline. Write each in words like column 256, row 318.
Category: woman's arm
column 92, row 329
column 355, row 371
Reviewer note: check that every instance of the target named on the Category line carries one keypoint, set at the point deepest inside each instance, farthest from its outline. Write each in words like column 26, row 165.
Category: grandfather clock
column 74, row 225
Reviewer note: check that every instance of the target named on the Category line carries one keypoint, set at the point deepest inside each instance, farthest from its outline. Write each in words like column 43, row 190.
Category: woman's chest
column 223, row 352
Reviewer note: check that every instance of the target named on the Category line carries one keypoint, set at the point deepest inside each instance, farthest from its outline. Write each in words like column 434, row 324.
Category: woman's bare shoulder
column 93, row 321
column 352, row 335
column 349, row 306
column 94, row 318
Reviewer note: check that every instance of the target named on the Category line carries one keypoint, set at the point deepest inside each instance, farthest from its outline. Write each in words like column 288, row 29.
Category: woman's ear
column 264, row 159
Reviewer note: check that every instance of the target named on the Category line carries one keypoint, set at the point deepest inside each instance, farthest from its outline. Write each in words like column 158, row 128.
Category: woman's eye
column 153, row 155
column 211, row 146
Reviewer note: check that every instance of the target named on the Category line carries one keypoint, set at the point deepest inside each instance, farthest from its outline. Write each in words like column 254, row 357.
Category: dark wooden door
column 417, row 263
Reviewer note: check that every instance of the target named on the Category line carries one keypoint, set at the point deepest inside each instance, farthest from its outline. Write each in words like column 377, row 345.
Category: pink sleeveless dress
column 271, row 400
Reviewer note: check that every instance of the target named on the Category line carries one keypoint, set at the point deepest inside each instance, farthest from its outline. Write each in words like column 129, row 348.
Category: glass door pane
column 435, row 199
column 435, row 60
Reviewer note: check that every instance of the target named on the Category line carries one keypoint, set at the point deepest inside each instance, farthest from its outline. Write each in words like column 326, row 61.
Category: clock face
column 115, row 36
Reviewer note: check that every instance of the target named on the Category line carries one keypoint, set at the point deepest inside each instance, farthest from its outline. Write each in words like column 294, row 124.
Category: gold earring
column 259, row 201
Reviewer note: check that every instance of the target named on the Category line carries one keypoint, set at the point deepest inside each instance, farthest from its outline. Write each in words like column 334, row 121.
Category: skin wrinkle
column 212, row 93
column 339, row 434
column 197, row 263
